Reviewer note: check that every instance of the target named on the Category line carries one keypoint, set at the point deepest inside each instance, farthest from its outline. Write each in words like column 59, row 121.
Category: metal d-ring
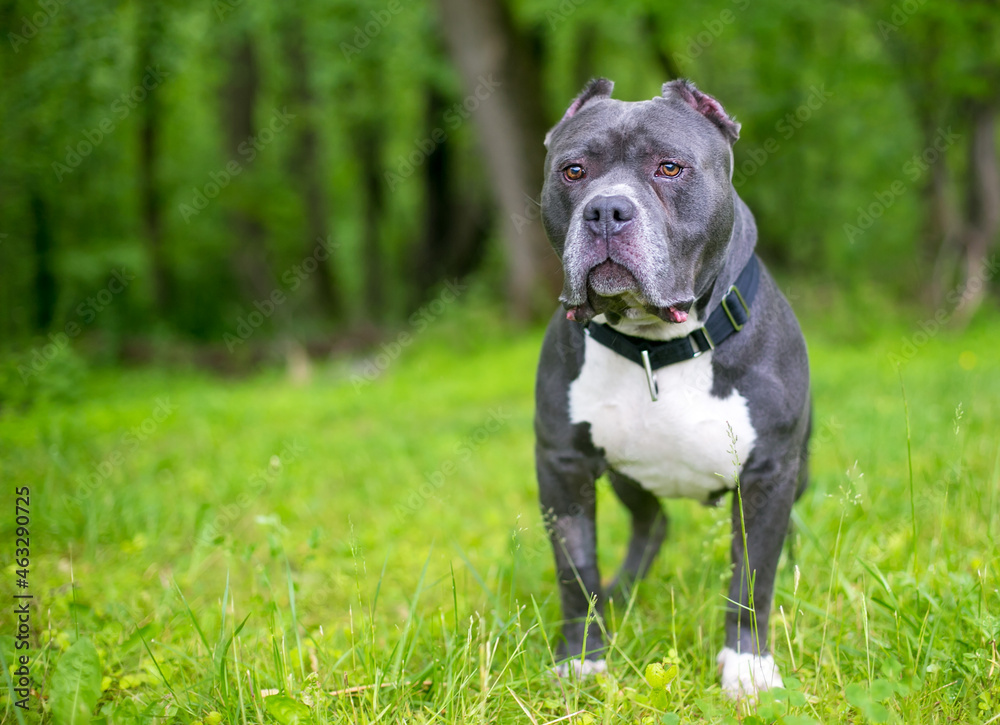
column 654, row 388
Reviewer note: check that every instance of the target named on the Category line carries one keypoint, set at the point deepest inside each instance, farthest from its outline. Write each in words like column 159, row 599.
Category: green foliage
column 784, row 705
column 868, row 700
column 431, row 598
column 76, row 684
column 286, row 710
column 659, row 677
column 835, row 99
column 47, row 372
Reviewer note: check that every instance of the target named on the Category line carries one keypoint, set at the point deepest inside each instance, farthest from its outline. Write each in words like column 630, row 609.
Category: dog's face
column 638, row 201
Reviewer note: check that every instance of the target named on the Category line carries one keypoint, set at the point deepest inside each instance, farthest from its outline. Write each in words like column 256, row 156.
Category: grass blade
column 909, row 465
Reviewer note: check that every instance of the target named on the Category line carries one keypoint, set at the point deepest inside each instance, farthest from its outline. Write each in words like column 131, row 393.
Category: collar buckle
column 723, row 321
column 700, row 343
column 725, row 306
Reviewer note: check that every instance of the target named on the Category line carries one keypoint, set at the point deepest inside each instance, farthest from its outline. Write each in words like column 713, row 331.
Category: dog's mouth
column 610, row 279
column 613, row 291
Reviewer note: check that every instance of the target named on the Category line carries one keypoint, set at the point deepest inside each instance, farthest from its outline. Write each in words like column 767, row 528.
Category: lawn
column 368, row 548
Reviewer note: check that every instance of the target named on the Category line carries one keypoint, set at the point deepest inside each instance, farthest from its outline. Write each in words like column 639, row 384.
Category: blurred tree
column 416, row 148
column 499, row 66
column 654, row 36
column 456, row 220
column 369, row 146
column 982, row 206
column 949, row 58
column 45, row 282
column 362, row 99
column 239, row 105
column 150, row 34
column 306, row 158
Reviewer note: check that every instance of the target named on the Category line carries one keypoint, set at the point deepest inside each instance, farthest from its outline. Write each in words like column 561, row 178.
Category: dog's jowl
column 675, row 365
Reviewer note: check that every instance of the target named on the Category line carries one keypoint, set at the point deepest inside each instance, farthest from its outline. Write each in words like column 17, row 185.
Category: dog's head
column 638, row 201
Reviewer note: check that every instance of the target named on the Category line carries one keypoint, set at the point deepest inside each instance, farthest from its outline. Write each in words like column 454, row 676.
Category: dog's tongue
column 581, row 313
column 584, row 313
column 673, row 314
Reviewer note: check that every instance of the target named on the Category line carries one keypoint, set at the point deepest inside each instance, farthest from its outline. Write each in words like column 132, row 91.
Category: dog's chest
column 681, row 445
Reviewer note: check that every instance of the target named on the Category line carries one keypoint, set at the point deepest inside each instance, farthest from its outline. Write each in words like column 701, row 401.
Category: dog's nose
column 608, row 215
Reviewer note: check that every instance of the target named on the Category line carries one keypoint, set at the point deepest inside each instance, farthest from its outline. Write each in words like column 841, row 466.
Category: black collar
column 728, row 318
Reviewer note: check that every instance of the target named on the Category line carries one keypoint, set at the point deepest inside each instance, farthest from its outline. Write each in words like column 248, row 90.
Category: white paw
column 744, row 675
column 580, row 669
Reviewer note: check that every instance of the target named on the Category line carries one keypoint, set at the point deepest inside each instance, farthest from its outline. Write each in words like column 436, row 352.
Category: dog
column 675, row 364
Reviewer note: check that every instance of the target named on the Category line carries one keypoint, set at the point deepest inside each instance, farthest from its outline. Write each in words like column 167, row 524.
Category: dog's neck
column 651, row 327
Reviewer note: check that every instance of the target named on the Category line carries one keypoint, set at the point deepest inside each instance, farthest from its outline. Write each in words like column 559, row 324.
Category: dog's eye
column 574, row 172
column 669, row 168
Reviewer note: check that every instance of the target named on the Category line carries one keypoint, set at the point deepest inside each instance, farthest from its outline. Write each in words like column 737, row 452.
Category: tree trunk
column 941, row 228
column 982, row 207
column 374, row 265
column 501, row 65
column 583, row 65
column 239, row 103
column 455, row 218
column 654, row 38
column 45, row 280
column 150, row 199
column 306, row 169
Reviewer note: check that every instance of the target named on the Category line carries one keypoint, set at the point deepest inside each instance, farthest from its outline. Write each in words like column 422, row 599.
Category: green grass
column 379, row 557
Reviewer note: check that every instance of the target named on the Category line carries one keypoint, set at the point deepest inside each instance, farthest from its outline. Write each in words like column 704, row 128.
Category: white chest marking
column 677, row 447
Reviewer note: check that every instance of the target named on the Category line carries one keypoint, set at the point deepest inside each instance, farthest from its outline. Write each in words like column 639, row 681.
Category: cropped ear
column 705, row 105
column 597, row 88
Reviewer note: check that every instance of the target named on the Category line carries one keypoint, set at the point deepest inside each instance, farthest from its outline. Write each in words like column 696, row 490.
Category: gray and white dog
column 676, row 365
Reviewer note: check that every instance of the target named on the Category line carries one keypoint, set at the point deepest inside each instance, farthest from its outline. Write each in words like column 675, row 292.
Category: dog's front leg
column 761, row 509
column 568, row 502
